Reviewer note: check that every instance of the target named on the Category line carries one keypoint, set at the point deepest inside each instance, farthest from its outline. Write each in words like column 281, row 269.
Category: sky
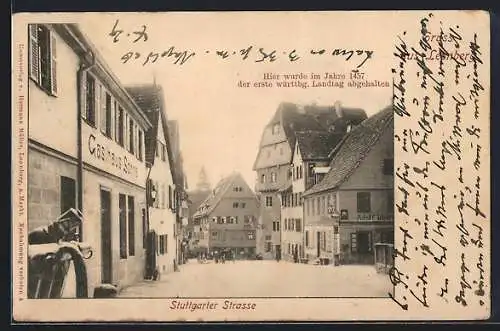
column 220, row 123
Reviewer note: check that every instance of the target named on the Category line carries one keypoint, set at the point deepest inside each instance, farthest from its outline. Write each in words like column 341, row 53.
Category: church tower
column 203, row 183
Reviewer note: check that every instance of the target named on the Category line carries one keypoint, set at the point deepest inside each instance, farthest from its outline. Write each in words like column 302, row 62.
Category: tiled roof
column 149, row 98
column 317, row 145
column 351, row 152
column 217, row 194
column 297, row 118
column 196, row 198
column 173, row 129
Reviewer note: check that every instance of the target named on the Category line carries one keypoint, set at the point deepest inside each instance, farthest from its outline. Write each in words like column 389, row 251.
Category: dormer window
column 349, row 128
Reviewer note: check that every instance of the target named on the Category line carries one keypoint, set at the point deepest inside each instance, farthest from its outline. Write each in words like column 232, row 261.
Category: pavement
column 264, row 279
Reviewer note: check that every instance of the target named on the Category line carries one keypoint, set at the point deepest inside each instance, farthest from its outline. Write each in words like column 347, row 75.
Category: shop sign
column 110, row 157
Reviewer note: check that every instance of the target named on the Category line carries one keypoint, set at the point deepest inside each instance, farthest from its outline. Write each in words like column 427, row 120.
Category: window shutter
column 34, row 54
column 112, row 124
column 53, row 64
column 116, row 120
column 97, row 104
column 354, row 243
column 124, row 130
column 136, row 141
column 102, row 108
column 170, row 197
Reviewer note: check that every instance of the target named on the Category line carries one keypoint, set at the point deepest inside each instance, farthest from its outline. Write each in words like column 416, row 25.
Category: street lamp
column 153, row 193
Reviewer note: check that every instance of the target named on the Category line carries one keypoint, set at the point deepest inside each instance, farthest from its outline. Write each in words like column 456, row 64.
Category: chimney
column 338, row 108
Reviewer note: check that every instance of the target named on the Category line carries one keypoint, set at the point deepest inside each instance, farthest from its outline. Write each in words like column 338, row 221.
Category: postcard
column 251, row 166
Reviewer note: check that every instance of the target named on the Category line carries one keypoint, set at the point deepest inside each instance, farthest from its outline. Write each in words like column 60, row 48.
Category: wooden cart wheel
column 58, row 275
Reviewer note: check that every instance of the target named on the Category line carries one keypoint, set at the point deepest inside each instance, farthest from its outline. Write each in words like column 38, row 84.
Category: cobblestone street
column 265, row 279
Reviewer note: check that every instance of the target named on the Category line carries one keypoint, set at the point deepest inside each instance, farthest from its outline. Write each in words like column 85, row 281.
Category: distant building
column 351, row 208
column 180, row 192
column 272, row 164
column 196, row 197
column 311, row 156
column 227, row 218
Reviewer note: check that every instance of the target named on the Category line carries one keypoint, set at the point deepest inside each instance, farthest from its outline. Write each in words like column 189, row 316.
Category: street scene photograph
column 165, row 161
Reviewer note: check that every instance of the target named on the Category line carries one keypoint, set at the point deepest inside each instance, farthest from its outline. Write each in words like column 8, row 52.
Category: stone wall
column 44, row 187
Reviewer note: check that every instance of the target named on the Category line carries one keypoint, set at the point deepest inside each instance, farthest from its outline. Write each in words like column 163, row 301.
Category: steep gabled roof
column 217, row 194
column 149, row 98
column 195, row 200
column 296, row 118
column 317, row 145
column 351, row 152
column 173, row 130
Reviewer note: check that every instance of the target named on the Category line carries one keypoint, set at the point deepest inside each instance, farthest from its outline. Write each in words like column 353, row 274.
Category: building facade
column 160, row 243
column 272, row 168
column 180, row 193
column 310, row 157
column 196, row 197
column 351, row 209
column 227, row 218
column 53, row 159
column 275, row 173
column 95, row 161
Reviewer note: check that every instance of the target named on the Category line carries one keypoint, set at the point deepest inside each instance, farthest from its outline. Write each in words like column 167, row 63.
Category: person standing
column 296, row 254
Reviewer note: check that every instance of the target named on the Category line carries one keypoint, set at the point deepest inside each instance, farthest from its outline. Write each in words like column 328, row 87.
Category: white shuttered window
column 43, row 57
